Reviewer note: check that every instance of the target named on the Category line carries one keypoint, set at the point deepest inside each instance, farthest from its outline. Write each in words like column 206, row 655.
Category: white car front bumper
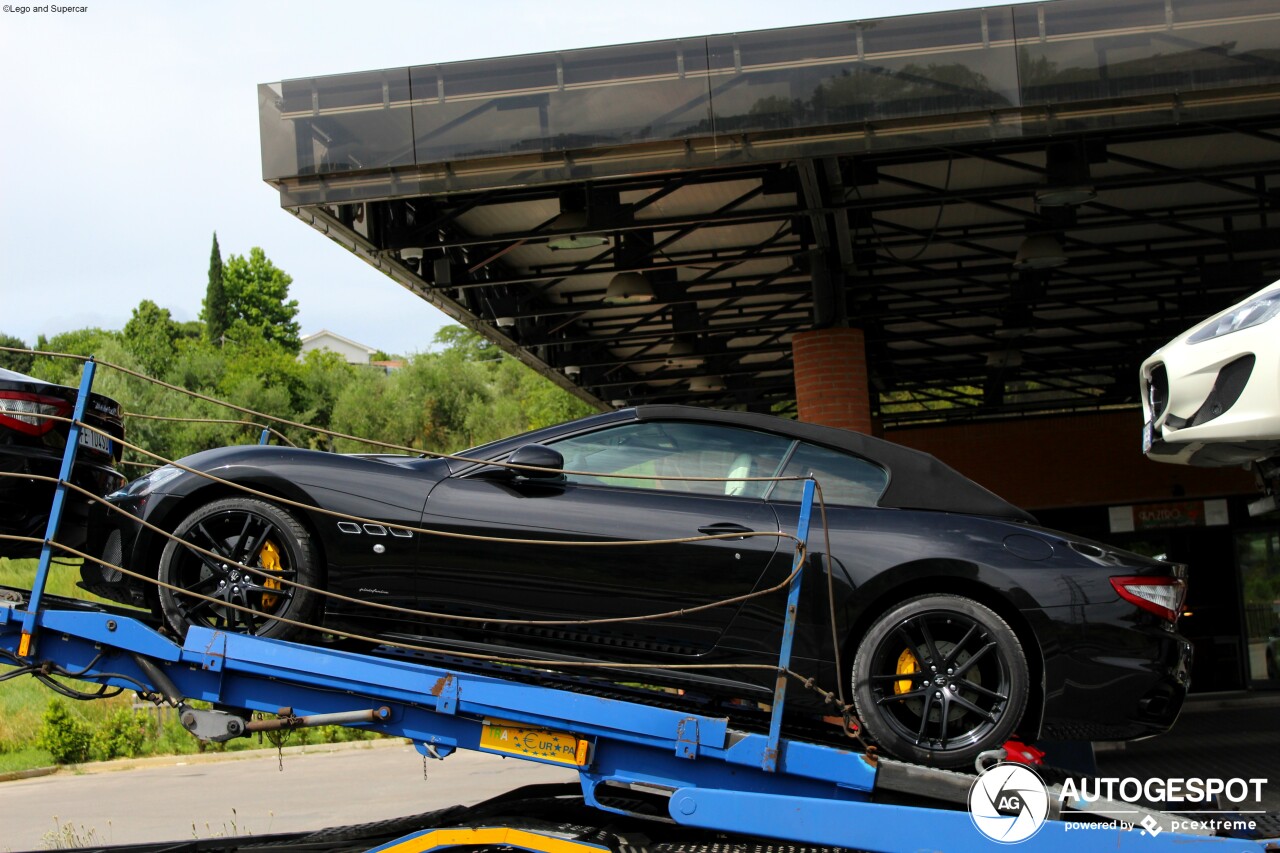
column 1214, row 399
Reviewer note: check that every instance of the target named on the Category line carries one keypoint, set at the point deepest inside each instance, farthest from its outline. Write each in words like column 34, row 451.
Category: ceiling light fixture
column 704, row 384
column 683, row 354
column 628, row 288
column 1065, row 196
column 505, row 322
column 1039, row 252
column 411, row 258
column 572, row 370
column 574, row 241
column 1067, row 180
column 573, row 219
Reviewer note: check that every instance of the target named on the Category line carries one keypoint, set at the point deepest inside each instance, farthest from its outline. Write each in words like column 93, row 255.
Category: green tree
column 324, row 375
column 466, row 344
column 467, row 393
column 64, row 734
column 124, row 734
column 260, row 373
column 101, row 343
column 150, row 335
column 214, row 313
column 190, row 330
column 257, row 294
column 546, row 404
column 19, row 361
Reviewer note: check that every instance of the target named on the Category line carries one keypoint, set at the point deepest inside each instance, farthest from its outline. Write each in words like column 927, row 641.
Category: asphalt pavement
column 247, row 793
column 1222, row 736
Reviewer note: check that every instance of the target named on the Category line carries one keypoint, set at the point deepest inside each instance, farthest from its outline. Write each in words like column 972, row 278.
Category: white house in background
column 353, row 351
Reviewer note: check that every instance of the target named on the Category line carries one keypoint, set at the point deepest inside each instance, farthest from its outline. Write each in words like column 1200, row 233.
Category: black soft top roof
column 917, row 480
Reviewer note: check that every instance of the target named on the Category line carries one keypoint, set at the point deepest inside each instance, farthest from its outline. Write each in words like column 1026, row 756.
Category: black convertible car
column 33, row 444
column 959, row 622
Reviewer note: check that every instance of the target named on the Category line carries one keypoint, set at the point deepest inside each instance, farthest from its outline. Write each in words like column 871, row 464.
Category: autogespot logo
column 1008, row 803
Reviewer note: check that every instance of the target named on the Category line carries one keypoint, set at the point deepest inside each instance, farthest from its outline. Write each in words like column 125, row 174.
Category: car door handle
column 724, row 527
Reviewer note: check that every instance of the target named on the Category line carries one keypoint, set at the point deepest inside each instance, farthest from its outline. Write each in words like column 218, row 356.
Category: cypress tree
column 215, row 297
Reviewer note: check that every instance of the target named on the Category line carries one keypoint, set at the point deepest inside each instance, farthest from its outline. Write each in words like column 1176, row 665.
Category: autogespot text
column 1168, row 791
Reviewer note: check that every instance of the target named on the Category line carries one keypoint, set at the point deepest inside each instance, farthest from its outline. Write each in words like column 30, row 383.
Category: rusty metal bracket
column 215, row 653
column 687, row 738
column 447, row 697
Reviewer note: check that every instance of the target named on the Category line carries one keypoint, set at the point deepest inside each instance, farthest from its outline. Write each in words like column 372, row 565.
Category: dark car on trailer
column 958, row 621
column 32, row 442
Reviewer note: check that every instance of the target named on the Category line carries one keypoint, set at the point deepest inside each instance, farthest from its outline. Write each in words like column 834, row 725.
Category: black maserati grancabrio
column 960, row 622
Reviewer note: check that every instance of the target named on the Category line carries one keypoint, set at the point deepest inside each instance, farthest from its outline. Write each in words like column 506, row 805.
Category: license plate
column 555, row 747
column 93, row 441
column 1148, row 436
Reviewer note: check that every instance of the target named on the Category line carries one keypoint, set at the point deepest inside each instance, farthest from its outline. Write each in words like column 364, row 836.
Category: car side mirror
column 536, row 456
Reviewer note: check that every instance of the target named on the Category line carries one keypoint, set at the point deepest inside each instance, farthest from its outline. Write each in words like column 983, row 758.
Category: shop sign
column 1125, row 519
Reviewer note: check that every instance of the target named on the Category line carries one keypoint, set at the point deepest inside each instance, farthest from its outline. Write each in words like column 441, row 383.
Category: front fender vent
column 1227, row 388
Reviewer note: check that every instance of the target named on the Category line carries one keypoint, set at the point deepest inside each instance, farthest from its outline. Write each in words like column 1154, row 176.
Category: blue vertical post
column 265, row 438
column 770, row 762
column 29, row 621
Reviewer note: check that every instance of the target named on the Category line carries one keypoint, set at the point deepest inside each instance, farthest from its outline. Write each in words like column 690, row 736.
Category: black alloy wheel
column 939, row 679
column 210, row 592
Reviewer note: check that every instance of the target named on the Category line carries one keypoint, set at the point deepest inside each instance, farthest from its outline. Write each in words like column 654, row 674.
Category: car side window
column 647, row 452
column 846, row 480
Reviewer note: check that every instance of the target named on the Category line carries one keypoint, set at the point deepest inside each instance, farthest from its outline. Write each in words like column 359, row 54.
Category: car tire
column 1273, row 671
column 252, row 532
column 939, row 679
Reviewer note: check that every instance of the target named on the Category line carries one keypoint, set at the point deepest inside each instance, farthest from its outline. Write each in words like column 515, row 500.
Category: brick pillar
column 831, row 378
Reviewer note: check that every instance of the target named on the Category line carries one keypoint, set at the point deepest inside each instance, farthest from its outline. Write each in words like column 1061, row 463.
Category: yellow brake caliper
column 269, row 559
column 907, row 664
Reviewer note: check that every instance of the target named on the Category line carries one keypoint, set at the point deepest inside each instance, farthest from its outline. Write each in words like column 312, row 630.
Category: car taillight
column 25, row 412
column 1162, row 596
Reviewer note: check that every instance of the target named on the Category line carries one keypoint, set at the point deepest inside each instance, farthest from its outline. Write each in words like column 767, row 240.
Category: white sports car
column 1211, row 396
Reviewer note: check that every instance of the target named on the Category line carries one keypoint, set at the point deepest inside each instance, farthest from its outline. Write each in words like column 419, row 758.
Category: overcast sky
column 131, row 135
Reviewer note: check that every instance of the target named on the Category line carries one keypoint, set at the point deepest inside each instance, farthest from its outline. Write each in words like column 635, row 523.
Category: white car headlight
column 1251, row 313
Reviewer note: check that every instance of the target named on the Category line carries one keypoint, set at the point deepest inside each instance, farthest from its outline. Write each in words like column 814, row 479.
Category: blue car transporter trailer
column 699, row 770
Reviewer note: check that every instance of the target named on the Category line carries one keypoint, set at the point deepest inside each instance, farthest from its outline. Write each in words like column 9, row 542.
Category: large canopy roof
column 886, row 174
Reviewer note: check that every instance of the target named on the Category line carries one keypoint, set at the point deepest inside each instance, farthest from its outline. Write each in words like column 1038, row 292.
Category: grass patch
column 61, row 580
column 25, row 759
column 24, row 700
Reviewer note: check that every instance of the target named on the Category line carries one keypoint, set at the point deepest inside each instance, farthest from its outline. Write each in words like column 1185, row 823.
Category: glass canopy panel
column 940, row 65
column 337, row 124
column 1096, row 49
column 560, row 102
column 863, row 71
column 1225, row 43
column 805, row 91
